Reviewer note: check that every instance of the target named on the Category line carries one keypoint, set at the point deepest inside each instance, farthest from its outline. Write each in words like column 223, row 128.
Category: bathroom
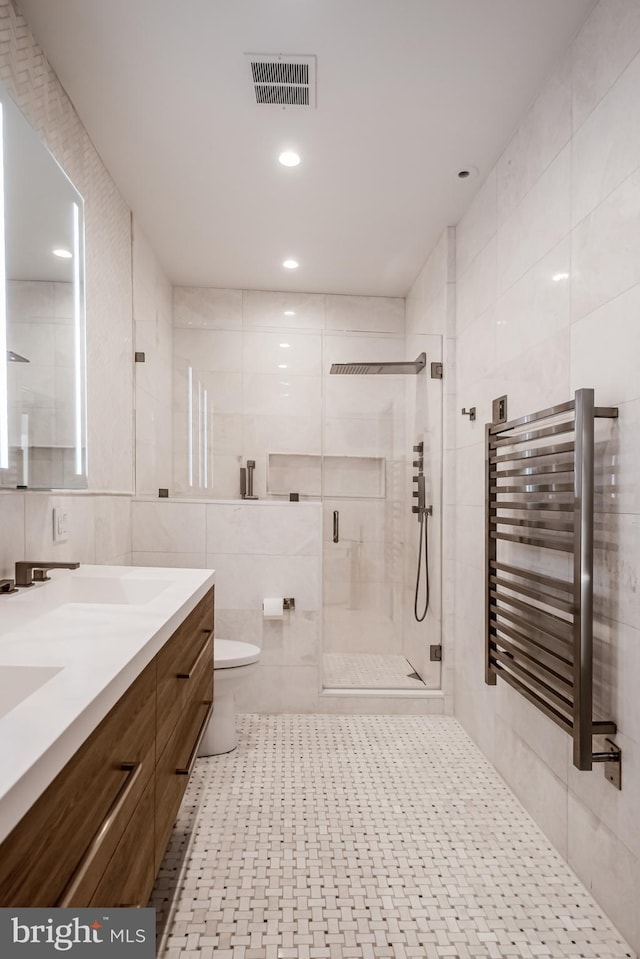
column 524, row 288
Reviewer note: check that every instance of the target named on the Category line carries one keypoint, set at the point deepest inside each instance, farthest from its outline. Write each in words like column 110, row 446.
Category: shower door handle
column 336, row 526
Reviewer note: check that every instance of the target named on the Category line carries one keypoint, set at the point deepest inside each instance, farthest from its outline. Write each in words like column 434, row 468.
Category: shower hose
column 423, row 537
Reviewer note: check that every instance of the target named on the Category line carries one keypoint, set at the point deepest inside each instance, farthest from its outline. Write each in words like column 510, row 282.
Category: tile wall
column 99, row 529
column 548, row 288
column 153, row 336
column 258, row 550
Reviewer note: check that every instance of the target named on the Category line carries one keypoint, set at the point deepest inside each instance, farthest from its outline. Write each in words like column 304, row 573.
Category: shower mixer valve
column 420, row 494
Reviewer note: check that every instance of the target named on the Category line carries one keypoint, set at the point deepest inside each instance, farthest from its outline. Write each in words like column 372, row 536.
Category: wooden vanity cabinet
column 184, row 704
column 97, row 835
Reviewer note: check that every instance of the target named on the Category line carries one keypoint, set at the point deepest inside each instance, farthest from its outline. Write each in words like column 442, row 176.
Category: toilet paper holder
column 288, row 603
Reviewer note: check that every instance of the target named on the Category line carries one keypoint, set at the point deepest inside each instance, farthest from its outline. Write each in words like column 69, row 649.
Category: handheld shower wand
column 423, row 511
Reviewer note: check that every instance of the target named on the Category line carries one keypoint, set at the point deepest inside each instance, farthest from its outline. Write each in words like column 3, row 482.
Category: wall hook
column 471, row 412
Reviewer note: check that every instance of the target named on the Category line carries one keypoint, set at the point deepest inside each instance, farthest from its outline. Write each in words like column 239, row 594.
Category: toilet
column 233, row 663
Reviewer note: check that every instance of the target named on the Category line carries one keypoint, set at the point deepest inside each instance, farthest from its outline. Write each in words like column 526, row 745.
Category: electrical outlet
column 60, row 525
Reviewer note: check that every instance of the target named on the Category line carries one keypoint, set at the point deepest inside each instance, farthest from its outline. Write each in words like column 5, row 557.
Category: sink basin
column 95, row 589
column 19, row 682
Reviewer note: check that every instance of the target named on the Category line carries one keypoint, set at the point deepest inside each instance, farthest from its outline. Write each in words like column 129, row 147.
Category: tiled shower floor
column 368, row 671
column 357, row 837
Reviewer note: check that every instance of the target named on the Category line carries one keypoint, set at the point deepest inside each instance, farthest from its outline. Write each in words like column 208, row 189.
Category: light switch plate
column 60, row 524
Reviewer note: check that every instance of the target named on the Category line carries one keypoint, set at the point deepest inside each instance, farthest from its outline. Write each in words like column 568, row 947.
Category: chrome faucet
column 28, row 573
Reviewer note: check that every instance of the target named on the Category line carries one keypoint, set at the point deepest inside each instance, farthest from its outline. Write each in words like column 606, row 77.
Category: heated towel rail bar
column 539, row 628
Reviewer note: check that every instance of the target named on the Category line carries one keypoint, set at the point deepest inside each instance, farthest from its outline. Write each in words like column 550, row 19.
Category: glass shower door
column 371, row 639
column 363, row 505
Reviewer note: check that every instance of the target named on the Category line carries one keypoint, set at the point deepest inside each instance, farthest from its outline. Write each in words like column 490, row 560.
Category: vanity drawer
column 129, row 876
column 180, row 661
column 58, row 851
column 175, row 763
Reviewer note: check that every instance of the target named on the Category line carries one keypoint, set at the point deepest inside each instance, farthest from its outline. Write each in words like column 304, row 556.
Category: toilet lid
column 230, row 652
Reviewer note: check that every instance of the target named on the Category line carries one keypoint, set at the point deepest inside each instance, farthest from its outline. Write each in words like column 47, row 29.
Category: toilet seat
column 228, row 653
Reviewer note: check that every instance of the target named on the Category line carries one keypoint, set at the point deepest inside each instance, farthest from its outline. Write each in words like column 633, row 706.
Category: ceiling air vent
column 283, row 81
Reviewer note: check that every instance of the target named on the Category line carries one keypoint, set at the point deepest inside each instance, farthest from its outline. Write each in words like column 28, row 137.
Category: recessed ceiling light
column 289, row 158
column 63, row 254
column 285, row 346
column 282, row 366
column 289, row 313
column 291, row 264
column 468, row 173
column 559, row 276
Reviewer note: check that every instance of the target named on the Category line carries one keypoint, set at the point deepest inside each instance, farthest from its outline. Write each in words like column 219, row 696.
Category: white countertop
column 98, row 650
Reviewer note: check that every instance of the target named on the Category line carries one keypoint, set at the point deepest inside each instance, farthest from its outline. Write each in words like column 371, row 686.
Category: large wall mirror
column 42, row 315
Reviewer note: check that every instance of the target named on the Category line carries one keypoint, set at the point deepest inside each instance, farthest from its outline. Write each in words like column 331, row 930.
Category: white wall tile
column 540, row 137
column 476, row 290
column 207, row 308
column 288, row 529
column 80, row 546
column 478, row 224
column 168, row 526
column 537, row 224
column 606, row 250
column 536, row 307
column 295, row 311
column 243, row 581
column 605, row 346
column 606, row 148
column 281, row 394
column 606, row 866
column 112, row 517
column 607, row 43
column 280, row 434
column 219, row 350
column 364, row 314
column 169, row 560
column 533, row 782
column 265, row 353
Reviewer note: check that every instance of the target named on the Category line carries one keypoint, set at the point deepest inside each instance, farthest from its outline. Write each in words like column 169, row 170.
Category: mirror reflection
column 42, row 398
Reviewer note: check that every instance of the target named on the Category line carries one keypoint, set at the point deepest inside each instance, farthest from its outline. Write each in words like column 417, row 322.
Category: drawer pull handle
column 133, row 771
column 188, row 769
column 196, row 661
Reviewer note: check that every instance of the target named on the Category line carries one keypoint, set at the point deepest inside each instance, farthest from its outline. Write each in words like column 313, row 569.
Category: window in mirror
column 42, row 316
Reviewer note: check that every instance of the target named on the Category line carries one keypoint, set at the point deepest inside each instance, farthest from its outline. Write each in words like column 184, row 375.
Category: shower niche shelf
column 344, row 476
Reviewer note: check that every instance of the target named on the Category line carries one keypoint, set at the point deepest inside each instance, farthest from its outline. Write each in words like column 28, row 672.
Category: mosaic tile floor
column 358, row 837
column 368, row 671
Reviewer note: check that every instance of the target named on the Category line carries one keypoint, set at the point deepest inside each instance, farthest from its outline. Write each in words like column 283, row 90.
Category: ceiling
column 409, row 92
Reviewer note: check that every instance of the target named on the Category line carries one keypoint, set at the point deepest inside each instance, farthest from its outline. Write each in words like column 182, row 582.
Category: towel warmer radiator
column 539, row 628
